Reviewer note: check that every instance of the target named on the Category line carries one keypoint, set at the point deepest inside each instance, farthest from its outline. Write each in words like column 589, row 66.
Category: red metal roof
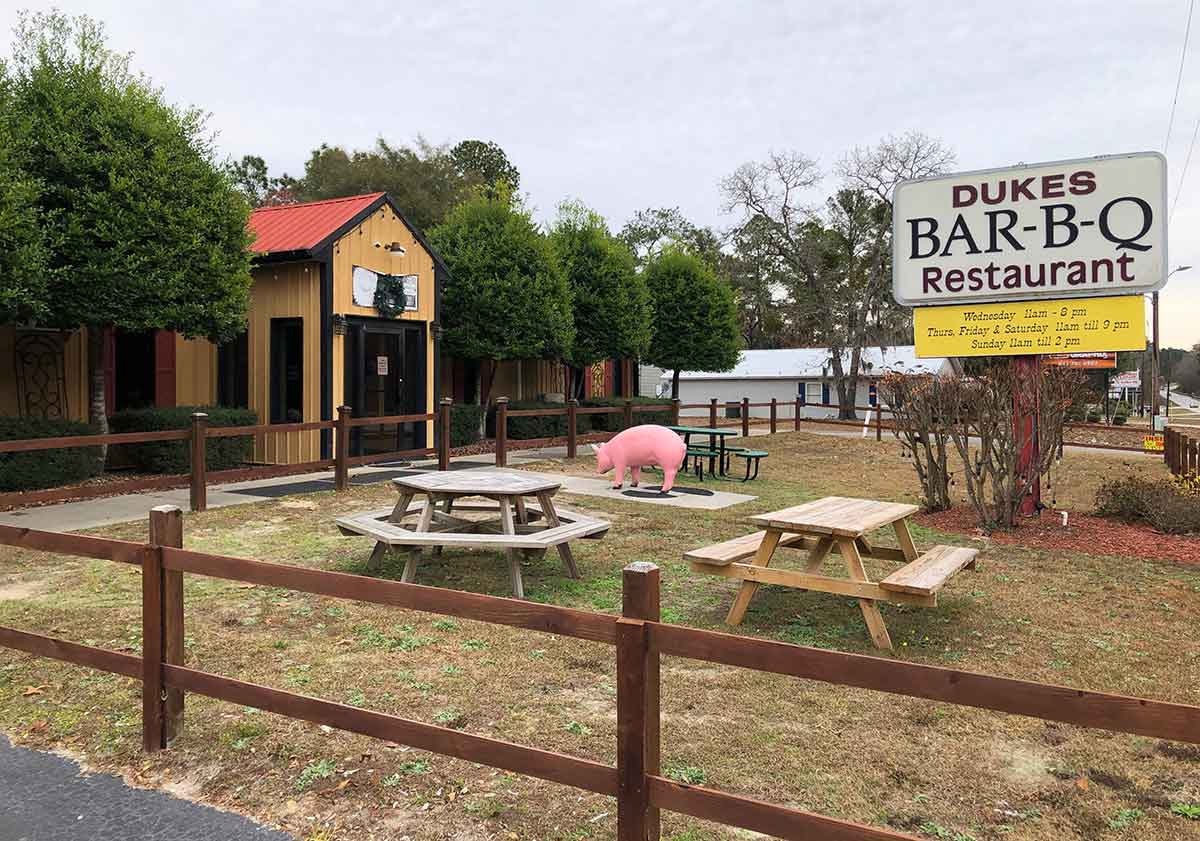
column 296, row 227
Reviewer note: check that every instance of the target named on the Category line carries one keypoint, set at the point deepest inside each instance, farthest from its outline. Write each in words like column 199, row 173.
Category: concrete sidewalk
column 103, row 511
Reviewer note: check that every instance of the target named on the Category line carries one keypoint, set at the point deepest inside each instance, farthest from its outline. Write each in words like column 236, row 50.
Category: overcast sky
column 633, row 105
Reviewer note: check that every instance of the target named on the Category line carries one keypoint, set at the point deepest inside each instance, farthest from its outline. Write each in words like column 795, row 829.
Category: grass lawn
column 1117, row 624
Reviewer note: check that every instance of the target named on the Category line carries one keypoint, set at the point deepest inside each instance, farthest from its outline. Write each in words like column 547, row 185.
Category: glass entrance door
column 385, row 375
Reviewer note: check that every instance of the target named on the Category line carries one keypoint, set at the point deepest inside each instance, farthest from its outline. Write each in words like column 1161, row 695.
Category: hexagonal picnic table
column 516, row 528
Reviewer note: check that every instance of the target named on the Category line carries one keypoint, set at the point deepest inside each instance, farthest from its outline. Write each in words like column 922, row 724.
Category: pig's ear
column 595, row 449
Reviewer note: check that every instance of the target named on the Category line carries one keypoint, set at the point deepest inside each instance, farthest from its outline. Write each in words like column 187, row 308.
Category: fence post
column 627, row 415
column 878, row 423
column 1167, row 447
column 199, row 487
column 712, row 413
column 773, row 410
column 745, row 417
column 1185, row 444
column 796, row 415
column 572, row 420
column 501, row 431
column 640, row 600
column 166, row 529
column 675, row 411
column 443, row 442
column 341, row 450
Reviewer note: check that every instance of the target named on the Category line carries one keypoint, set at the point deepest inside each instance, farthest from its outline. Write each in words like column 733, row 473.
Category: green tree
column 611, row 304
column 654, row 229
column 251, row 178
column 507, row 297
column 147, row 231
column 484, row 162
column 23, row 238
column 426, row 180
column 694, row 324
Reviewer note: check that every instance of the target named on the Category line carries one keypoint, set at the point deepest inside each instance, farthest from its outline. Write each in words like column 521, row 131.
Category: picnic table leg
column 447, row 507
column 761, row 559
column 377, row 554
column 906, row 542
column 401, row 508
column 870, row 610
column 552, row 521
column 519, row 503
column 414, row 554
column 514, row 562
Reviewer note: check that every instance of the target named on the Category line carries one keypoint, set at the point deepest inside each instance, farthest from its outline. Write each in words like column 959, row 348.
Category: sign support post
column 1027, row 371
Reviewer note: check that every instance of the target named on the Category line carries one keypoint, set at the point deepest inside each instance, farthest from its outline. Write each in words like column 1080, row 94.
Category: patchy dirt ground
column 1121, row 622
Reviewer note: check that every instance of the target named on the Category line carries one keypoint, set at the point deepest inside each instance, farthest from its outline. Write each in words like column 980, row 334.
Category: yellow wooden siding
column 527, row 379
column 357, row 248
column 195, row 372
column 286, row 290
column 75, row 374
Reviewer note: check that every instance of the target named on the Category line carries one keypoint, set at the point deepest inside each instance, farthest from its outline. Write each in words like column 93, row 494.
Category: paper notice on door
column 381, row 365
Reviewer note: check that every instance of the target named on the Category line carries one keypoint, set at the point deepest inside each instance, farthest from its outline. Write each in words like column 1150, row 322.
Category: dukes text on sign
column 1090, row 227
column 1031, row 327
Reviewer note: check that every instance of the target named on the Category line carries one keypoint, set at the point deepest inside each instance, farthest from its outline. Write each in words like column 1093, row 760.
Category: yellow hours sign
column 1031, row 327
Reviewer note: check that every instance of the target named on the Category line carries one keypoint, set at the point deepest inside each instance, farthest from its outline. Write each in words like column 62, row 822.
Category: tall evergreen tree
column 146, row 231
column 694, row 325
column 610, row 301
column 508, row 297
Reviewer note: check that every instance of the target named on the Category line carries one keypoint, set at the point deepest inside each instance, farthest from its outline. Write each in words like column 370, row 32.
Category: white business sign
column 1095, row 226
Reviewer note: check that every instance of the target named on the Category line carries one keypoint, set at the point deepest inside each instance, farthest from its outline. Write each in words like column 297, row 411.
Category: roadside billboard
column 1069, row 229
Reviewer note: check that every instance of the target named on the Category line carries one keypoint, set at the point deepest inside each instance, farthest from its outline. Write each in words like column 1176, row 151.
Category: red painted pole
column 1026, row 372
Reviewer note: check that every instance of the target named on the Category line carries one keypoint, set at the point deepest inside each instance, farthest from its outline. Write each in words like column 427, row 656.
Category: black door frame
column 354, row 364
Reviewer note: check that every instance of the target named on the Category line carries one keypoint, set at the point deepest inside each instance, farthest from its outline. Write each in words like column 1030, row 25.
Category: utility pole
column 1154, row 385
column 1154, row 379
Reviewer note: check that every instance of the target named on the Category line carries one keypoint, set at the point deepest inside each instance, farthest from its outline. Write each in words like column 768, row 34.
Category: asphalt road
column 44, row 797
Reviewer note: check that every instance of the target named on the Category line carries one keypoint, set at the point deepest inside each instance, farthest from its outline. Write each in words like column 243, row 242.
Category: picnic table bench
column 836, row 525
column 522, row 525
column 717, row 451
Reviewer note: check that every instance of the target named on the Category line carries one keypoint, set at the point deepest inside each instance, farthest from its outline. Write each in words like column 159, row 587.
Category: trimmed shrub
column 45, row 468
column 615, row 422
column 1168, row 505
column 464, row 424
column 538, row 426
column 173, row 456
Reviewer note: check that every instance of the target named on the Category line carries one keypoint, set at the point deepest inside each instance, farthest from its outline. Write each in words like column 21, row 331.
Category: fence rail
column 640, row 640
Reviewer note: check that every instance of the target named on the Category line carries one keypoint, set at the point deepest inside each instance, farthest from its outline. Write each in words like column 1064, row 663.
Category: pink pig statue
column 638, row 447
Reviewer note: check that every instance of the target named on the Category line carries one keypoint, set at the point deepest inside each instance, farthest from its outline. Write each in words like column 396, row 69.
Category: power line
column 1179, row 78
column 1183, row 173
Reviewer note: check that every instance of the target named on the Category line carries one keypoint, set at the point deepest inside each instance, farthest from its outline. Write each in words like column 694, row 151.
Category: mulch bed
column 1083, row 533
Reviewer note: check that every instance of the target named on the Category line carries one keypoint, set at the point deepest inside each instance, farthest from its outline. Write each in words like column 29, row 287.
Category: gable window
column 287, row 370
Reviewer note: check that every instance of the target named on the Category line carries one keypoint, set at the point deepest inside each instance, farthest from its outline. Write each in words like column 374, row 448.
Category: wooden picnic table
column 515, row 529
column 716, row 440
column 836, row 525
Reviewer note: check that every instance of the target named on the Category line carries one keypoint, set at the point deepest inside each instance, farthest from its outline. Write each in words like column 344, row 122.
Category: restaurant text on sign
column 1077, row 228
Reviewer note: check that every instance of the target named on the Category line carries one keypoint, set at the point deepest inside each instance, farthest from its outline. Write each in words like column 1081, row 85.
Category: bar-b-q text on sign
column 1031, row 327
column 1090, row 227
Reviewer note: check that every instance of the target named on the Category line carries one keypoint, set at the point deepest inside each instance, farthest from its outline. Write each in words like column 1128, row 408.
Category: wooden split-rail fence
column 638, row 635
column 199, row 477
column 1181, row 451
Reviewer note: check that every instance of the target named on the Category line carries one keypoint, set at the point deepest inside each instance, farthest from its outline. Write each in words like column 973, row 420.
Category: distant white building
column 789, row 373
